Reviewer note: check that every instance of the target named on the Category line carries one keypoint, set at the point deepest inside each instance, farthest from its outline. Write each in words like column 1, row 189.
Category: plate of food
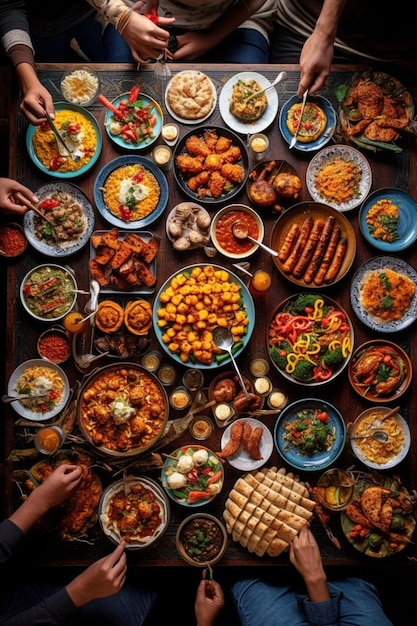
column 246, row 444
column 229, row 400
column 45, row 382
column 132, row 420
column 72, row 216
column 380, row 371
column 188, row 226
column 135, row 510
column 69, row 520
column 377, row 454
column 317, row 125
column 48, row 292
column 339, row 176
column 211, row 164
column 297, row 339
column 130, row 192
column 81, row 132
column 123, row 262
column 375, row 111
column 241, row 321
column 383, row 294
column 273, row 184
column 192, row 475
column 380, row 521
column 133, row 120
column 388, row 219
column 310, row 434
column 245, row 116
column 316, row 245
column 190, row 97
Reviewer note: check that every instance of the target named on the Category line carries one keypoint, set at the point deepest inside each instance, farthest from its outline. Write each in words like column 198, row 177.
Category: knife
column 294, row 139
column 57, row 134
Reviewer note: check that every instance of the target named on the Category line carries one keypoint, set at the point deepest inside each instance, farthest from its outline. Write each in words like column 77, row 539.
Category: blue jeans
column 354, row 602
column 55, row 47
column 244, row 45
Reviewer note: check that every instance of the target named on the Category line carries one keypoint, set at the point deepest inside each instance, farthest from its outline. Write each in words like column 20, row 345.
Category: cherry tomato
column 125, row 212
column 56, row 162
column 48, row 204
column 323, row 416
column 73, row 129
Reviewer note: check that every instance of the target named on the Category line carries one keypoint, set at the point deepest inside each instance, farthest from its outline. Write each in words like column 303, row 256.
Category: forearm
column 317, row 588
column 232, row 19
column 29, row 512
column 328, row 19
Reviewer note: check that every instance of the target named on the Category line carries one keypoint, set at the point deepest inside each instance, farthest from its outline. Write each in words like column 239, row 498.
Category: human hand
column 146, row 39
column 103, row 578
column 192, row 45
column 35, row 100
column 8, row 204
column 208, row 603
column 315, row 61
column 57, row 487
column 306, row 558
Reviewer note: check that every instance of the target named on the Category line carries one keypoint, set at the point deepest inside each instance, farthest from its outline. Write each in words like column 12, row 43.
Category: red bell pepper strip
column 213, row 479
column 197, row 495
column 48, row 204
column 134, row 93
column 109, row 106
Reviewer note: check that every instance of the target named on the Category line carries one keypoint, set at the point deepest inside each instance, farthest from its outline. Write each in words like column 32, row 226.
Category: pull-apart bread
column 266, row 509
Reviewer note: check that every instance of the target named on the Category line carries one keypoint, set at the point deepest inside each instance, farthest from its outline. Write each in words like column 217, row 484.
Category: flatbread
column 190, row 95
column 312, row 125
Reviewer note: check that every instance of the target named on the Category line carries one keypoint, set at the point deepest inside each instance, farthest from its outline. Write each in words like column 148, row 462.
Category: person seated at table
column 338, row 603
column 221, row 31
column 96, row 596
column 8, row 204
column 208, row 602
column 315, row 33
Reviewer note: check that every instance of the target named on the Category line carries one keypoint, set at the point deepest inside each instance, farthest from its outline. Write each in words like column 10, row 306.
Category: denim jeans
column 354, row 602
column 244, row 45
column 55, row 47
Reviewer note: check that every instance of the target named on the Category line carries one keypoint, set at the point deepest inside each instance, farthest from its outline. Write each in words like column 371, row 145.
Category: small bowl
column 223, row 413
column 277, row 399
column 170, row 133
column 49, row 439
column 259, row 367
column 335, row 489
column 41, row 277
column 54, row 345
column 151, row 361
column 262, row 385
column 199, row 525
column 80, row 86
column 180, row 398
column 13, row 240
column 201, row 427
column 229, row 246
column 193, row 379
column 167, row 374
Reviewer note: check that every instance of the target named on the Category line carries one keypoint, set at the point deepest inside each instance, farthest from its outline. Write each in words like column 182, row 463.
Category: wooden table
column 389, row 170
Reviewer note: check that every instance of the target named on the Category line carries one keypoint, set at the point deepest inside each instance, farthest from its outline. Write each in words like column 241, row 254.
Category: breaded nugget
column 216, row 184
column 223, row 144
column 200, row 180
column 233, row 172
column 190, row 165
column 232, row 155
column 196, row 146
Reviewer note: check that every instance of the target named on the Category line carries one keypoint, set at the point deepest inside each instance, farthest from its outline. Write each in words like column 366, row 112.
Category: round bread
column 190, row 95
column 109, row 316
column 138, row 317
column 287, row 185
column 312, row 124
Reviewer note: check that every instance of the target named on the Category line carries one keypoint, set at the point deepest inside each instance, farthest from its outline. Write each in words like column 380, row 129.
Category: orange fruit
column 261, row 281
column 74, row 322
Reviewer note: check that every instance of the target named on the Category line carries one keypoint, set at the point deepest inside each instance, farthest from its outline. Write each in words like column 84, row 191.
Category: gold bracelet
column 123, row 20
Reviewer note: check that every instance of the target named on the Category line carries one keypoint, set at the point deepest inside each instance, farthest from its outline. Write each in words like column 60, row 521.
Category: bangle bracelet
column 122, row 20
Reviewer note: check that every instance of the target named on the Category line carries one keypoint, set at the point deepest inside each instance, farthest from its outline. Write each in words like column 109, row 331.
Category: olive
column 374, row 540
column 398, row 522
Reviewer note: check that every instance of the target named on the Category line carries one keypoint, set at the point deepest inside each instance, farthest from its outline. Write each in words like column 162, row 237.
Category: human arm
column 306, row 558
column 317, row 53
column 8, row 204
column 208, row 603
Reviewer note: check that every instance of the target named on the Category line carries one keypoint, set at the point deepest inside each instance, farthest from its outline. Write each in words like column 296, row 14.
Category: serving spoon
column 223, row 339
column 281, row 76
column 378, row 435
column 240, row 231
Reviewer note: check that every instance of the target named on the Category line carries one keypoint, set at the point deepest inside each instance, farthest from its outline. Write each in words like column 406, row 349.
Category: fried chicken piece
column 213, row 162
column 210, row 138
column 223, row 144
column 357, row 129
column 232, row 155
column 233, row 172
column 196, row 146
column 235, row 441
column 190, row 165
column 254, row 444
column 201, row 180
column 369, row 99
column 216, row 184
column 375, row 132
column 247, row 433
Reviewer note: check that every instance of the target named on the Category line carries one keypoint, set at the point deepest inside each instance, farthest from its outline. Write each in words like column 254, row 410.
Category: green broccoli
column 320, row 431
column 303, row 370
column 278, row 353
column 333, row 358
column 303, row 301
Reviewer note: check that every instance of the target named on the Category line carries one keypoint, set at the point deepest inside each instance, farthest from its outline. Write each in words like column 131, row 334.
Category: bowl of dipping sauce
column 201, row 539
column 170, row 133
column 262, row 385
column 193, row 379
column 12, row 240
column 167, row 374
column 222, row 234
column 151, row 360
column 162, row 155
column 49, row 439
column 277, row 399
column 54, row 345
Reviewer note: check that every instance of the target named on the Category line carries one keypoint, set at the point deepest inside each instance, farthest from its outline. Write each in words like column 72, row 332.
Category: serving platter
column 49, row 246
column 326, row 135
column 266, row 118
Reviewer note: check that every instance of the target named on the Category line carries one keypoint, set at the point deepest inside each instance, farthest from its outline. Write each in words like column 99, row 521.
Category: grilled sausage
column 289, row 241
column 315, row 262
column 328, row 256
column 309, row 248
column 334, row 268
column 299, row 245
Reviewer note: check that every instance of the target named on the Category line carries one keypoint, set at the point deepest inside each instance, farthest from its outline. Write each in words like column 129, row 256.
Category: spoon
column 74, row 157
column 378, row 435
column 240, row 231
column 7, row 399
column 223, row 339
column 377, row 422
column 281, row 76
column 92, row 302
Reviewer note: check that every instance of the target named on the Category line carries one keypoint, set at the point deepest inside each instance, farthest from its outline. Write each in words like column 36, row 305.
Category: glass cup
column 260, row 283
column 258, row 145
column 49, row 439
column 163, row 157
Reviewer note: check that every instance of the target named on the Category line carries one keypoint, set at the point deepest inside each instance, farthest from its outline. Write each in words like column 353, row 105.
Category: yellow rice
column 111, row 191
column 45, row 143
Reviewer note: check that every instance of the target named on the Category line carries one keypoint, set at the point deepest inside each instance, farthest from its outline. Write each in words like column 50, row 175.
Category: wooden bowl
column 194, row 525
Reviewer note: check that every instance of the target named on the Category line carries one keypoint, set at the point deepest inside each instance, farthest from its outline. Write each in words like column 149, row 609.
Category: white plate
column 266, row 118
column 60, row 248
column 193, row 121
column 241, row 459
column 378, row 263
column 24, row 411
column 348, row 154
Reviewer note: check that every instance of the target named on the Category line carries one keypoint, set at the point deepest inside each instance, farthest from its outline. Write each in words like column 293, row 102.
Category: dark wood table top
column 388, row 170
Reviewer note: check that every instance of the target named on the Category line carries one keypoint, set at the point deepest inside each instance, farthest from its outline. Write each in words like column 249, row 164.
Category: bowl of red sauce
column 12, row 240
column 54, row 345
column 222, row 236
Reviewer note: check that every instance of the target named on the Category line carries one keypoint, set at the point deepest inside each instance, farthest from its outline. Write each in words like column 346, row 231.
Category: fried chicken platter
column 375, row 111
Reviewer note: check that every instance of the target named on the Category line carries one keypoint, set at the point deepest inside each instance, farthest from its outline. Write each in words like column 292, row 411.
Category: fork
column 74, row 157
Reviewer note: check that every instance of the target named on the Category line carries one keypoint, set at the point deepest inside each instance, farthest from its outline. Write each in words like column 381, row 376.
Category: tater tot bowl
column 372, row 453
column 122, row 410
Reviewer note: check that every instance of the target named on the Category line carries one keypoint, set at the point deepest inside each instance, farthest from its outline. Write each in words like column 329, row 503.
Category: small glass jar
column 335, row 489
column 162, row 155
column 193, row 379
column 167, row 374
column 151, row 361
column 201, row 427
column 262, row 385
column 180, row 398
column 223, row 411
column 259, row 367
column 49, row 439
column 258, row 145
column 277, row 399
